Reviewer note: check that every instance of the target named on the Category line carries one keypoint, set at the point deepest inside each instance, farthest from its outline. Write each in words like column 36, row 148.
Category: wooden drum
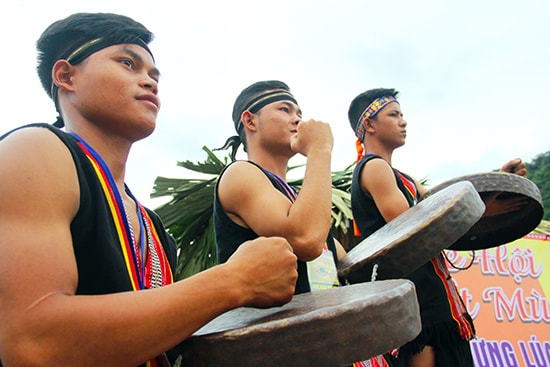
column 328, row 328
column 503, row 228
column 414, row 237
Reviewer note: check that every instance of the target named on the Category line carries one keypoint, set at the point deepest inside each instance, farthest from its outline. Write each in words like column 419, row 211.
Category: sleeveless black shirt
column 99, row 258
column 230, row 235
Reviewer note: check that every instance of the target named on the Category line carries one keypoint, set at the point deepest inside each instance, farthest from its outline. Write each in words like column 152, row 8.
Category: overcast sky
column 473, row 76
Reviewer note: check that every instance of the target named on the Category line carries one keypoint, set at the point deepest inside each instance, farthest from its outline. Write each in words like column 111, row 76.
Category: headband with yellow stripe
column 262, row 100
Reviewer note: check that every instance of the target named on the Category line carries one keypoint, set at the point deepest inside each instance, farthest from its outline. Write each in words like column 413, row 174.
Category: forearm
column 84, row 330
column 311, row 212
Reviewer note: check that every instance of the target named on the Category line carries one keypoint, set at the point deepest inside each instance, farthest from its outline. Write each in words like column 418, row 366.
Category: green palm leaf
column 188, row 213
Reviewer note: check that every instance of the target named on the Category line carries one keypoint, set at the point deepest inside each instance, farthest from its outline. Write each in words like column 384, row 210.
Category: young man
column 252, row 197
column 379, row 193
column 76, row 248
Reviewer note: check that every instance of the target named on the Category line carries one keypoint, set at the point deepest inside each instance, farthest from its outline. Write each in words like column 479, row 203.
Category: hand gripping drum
column 503, row 228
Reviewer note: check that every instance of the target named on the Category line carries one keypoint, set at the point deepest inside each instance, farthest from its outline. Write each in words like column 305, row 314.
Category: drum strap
column 409, row 186
column 146, row 261
column 456, row 305
column 378, row 361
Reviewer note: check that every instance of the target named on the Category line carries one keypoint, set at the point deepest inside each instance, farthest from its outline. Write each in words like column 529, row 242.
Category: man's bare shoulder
column 242, row 172
column 29, row 139
column 377, row 162
column 244, row 187
column 377, row 169
column 35, row 165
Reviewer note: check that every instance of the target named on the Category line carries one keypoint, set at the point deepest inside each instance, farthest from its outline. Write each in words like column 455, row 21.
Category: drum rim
column 464, row 207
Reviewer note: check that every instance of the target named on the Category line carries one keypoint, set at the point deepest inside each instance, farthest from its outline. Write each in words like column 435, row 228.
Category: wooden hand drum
column 414, row 237
column 499, row 229
column 328, row 328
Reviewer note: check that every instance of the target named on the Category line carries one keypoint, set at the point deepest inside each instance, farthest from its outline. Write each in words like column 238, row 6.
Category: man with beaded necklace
column 253, row 198
column 86, row 271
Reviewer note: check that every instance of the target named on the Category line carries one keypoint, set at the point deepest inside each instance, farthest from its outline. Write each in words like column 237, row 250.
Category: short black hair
column 249, row 93
column 64, row 36
column 363, row 100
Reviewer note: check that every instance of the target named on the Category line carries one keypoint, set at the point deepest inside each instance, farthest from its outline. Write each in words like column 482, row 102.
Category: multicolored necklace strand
column 290, row 191
column 147, row 267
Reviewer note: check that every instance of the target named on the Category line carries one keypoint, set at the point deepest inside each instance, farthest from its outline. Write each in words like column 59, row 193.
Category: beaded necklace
column 146, row 262
column 290, row 191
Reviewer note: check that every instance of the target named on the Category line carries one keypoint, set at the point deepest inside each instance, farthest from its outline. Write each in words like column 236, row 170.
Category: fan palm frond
column 188, row 215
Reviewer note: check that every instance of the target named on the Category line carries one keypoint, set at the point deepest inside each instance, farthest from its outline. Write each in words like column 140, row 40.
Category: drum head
column 416, row 236
column 327, row 328
column 504, row 228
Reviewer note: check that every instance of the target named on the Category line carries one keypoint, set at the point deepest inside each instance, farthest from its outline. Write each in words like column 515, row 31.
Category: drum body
column 328, row 328
column 414, row 237
column 504, row 228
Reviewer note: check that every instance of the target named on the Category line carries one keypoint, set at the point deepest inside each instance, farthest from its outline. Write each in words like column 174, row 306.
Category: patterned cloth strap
column 456, row 305
column 155, row 271
column 378, row 361
column 369, row 112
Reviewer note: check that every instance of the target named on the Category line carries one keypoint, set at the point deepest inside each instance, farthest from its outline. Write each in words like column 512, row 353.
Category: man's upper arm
column 251, row 200
column 378, row 179
column 421, row 189
column 38, row 199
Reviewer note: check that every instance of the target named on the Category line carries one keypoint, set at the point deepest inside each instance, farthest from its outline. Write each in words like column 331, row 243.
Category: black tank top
column 99, row 258
column 434, row 291
column 368, row 218
column 230, row 235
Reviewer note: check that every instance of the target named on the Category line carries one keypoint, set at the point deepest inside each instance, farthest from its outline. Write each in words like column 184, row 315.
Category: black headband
column 254, row 105
column 79, row 54
column 263, row 100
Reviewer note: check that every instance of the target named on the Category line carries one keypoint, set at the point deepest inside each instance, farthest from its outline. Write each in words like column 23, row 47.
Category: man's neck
column 113, row 150
column 276, row 165
column 380, row 150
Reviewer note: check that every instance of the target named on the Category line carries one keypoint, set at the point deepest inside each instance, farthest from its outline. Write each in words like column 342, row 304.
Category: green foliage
column 538, row 171
column 341, row 198
column 341, row 205
column 188, row 215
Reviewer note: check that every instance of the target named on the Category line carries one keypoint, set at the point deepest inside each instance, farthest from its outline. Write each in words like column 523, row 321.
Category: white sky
column 473, row 76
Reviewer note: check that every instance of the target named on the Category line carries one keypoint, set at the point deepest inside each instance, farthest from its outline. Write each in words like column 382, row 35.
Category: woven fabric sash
column 409, row 186
column 456, row 305
column 155, row 271
column 378, row 361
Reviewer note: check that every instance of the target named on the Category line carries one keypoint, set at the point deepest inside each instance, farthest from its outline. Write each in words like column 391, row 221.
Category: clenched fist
column 268, row 268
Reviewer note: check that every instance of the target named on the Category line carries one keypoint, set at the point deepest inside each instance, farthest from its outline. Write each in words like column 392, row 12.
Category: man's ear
column 62, row 72
column 369, row 126
column 249, row 120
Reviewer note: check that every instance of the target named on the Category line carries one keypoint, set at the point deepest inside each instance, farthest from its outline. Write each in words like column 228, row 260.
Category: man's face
column 390, row 125
column 117, row 88
column 278, row 121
